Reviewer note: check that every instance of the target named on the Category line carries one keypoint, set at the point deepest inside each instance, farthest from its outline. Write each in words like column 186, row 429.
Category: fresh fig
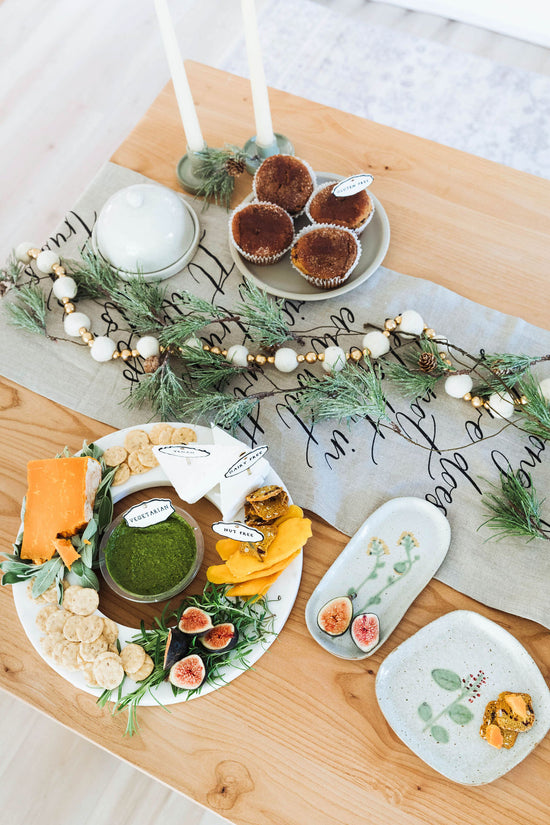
column 195, row 622
column 365, row 631
column 177, row 645
column 222, row 637
column 188, row 673
column 335, row 616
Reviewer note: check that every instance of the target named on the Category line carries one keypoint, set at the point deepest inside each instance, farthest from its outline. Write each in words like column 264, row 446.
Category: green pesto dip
column 151, row 560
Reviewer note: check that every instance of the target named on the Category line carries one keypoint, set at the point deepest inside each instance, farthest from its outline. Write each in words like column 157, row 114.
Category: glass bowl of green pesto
column 151, row 563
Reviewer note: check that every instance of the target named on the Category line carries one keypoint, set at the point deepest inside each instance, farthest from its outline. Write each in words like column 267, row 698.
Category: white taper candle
column 260, row 99
column 192, row 129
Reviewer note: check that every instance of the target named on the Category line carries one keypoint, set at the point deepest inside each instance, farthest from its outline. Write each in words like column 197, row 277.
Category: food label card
column 352, row 185
column 149, row 512
column 237, row 530
column 246, row 461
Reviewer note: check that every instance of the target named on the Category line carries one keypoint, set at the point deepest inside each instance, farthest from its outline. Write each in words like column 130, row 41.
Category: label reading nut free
column 149, row 512
column 237, row 530
column 246, row 461
column 351, row 185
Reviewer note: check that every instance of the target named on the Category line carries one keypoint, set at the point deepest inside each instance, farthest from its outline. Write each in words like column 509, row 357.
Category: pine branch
column 217, row 168
column 141, row 302
column 10, row 274
column 535, row 415
column 510, row 368
column 94, row 277
column 411, row 383
column 353, row 392
column 207, row 370
column 200, row 314
column 216, row 408
column 516, row 511
column 28, row 311
column 162, row 389
column 263, row 315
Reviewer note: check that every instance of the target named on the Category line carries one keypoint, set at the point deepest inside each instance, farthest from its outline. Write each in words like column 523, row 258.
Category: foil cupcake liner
column 313, row 221
column 309, row 169
column 261, row 260
column 327, row 283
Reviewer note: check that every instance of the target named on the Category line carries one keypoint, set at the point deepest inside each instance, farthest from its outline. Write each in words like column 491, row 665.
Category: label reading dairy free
column 149, row 512
column 246, row 461
column 237, row 530
column 351, row 185
column 184, row 451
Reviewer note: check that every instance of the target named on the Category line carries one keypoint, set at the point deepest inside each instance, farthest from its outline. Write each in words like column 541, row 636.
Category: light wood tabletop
column 300, row 738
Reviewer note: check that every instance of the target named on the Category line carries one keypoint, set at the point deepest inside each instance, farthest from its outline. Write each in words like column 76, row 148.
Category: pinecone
column 151, row 364
column 234, row 167
column 427, row 362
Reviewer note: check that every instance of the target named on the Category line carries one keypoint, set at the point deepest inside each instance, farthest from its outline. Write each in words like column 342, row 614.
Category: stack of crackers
column 136, row 456
column 504, row 718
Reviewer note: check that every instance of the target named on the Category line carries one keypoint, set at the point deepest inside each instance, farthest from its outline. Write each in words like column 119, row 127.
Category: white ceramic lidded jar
column 148, row 229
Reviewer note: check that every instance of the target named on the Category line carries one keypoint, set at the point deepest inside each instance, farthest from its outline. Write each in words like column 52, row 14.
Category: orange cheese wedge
column 60, row 499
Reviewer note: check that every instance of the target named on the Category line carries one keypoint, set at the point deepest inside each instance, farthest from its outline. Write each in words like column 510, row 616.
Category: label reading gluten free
column 352, row 185
column 149, row 512
column 237, row 530
column 184, row 451
column 246, row 461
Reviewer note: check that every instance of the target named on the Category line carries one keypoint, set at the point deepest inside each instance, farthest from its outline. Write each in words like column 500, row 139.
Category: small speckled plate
column 434, row 687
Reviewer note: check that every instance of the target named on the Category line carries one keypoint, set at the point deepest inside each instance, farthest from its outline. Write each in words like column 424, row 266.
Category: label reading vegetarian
column 238, row 531
column 149, row 512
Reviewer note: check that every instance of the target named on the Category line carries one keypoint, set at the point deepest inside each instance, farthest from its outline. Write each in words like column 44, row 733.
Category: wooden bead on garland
column 458, row 385
column 21, row 252
column 102, row 348
column 411, row 322
column 335, row 359
column 64, row 287
column 46, row 260
column 147, row 346
column 502, row 405
column 238, row 355
column 377, row 343
column 74, row 321
column 286, row 360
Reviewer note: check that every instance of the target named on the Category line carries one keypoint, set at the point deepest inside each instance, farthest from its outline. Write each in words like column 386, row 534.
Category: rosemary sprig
column 354, row 391
column 264, row 316
column 28, row 311
column 515, row 510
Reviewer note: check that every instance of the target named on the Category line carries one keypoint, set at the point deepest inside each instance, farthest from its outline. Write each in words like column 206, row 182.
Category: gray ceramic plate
column 282, row 279
column 386, row 564
column 434, row 687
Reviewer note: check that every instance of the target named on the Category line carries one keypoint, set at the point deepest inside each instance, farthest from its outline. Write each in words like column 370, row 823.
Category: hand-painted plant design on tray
column 379, row 549
column 458, row 713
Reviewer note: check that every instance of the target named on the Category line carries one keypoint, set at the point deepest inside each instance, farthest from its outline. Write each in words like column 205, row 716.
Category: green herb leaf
column 460, row 714
column 425, row 712
column 46, row 576
column 446, row 679
column 439, row 734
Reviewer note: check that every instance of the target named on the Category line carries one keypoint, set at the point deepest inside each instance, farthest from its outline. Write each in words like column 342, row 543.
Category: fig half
column 188, row 673
column 177, row 645
column 222, row 637
column 195, row 622
column 365, row 631
column 335, row 616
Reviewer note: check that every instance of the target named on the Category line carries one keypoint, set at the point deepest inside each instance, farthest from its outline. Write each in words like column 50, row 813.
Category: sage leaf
column 46, row 576
column 439, row 734
column 446, row 679
column 85, row 576
column 12, row 578
column 425, row 712
column 460, row 714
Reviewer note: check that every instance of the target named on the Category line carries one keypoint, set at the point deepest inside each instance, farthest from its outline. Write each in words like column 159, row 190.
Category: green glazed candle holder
column 256, row 153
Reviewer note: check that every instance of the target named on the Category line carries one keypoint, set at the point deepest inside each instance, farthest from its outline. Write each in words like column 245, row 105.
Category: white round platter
column 282, row 279
column 281, row 595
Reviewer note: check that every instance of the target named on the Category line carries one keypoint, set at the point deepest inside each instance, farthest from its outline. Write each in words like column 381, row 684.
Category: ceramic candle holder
column 257, row 153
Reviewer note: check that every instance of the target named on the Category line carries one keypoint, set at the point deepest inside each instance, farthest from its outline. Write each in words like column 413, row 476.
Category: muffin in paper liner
column 266, row 164
column 335, row 280
column 336, row 221
column 269, row 256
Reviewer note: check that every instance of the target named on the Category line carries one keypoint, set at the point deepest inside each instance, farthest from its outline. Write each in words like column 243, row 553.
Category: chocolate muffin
column 286, row 181
column 262, row 232
column 353, row 211
column 325, row 255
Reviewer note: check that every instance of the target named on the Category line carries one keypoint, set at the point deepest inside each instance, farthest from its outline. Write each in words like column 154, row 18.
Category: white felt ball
column 335, row 359
column 148, row 346
column 46, row 260
column 74, row 322
column 102, row 349
column 458, row 385
column 412, row 322
column 193, row 342
column 64, row 287
column 238, row 355
column 502, row 405
column 544, row 387
column 286, row 359
column 377, row 343
column 21, row 250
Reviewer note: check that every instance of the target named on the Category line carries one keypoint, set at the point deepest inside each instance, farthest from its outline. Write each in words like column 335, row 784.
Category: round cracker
column 69, row 596
column 113, row 456
column 132, row 657
column 110, row 630
column 57, row 652
column 112, row 648
column 108, row 673
column 122, row 474
column 145, row 670
column 89, row 651
column 183, row 435
column 50, row 595
column 88, row 673
column 69, row 655
column 49, row 642
column 147, row 457
column 56, row 621
column 135, row 465
column 135, row 439
column 89, row 628
column 70, row 631
column 85, row 602
column 44, row 614
column 160, row 433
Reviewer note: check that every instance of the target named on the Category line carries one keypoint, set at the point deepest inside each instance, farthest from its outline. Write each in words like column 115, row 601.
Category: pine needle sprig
column 94, row 277
column 28, row 311
column 509, row 368
column 9, row 276
column 217, row 408
column 535, row 414
column 162, row 389
column 515, row 510
column 411, row 383
column 352, row 392
column 217, row 169
column 207, row 370
column 141, row 302
column 264, row 316
column 434, row 348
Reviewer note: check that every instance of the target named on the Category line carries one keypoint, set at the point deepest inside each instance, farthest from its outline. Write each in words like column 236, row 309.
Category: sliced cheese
column 66, row 551
column 194, row 470
column 60, row 502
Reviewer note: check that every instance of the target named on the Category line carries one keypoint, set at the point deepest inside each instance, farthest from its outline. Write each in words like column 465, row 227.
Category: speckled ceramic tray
column 434, row 687
column 383, row 568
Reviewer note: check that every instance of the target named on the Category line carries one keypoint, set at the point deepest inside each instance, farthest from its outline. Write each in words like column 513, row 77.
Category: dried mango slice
column 291, row 536
column 220, row 573
column 256, row 587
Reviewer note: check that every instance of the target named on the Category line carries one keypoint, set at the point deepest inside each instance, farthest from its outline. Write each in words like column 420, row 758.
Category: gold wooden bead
column 261, row 359
column 250, row 358
column 429, row 333
column 390, row 324
column 135, row 353
column 476, row 401
column 161, row 348
column 347, row 356
column 87, row 336
column 82, row 330
column 224, row 352
column 486, row 405
column 91, row 341
column 65, row 300
column 34, row 253
column 116, row 354
column 215, row 350
column 311, row 357
column 206, row 347
column 386, row 332
column 356, row 354
column 321, row 356
column 467, row 397
column 58, row 270
column 523, row 400
column 300, row 358
column 125, row 354
column 70, row 307
column 398, row 319
column 270, row 359
column 448, row 362
column 366, row 352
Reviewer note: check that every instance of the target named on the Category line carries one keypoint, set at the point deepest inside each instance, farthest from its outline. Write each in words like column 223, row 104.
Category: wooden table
column 300, row 739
